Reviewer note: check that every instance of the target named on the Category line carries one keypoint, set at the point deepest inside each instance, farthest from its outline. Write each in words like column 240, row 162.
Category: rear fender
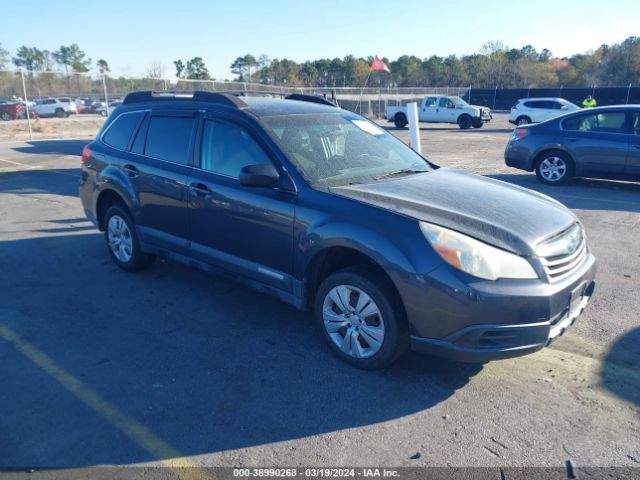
column 114, row 179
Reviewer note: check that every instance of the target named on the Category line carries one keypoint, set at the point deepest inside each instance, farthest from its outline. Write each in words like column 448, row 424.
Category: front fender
column 406, row 260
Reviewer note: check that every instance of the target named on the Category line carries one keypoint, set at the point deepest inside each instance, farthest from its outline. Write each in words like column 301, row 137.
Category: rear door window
column 120, row 131
column 169, row 138
column 536, row 104
column 430, row 101
column 604, row 122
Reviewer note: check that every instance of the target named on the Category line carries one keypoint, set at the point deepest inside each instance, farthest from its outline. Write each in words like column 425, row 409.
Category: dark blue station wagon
column 329, row 212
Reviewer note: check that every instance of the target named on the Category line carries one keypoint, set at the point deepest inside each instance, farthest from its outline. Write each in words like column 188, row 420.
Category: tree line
column 495, row 65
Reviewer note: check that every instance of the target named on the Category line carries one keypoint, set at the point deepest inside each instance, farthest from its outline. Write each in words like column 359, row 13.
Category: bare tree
column 155, row 69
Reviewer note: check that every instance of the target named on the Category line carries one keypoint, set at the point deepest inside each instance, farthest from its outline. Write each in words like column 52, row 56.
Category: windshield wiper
column 395, row 173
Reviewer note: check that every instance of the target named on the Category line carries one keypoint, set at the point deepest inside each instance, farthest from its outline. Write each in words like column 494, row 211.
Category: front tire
column 361, row 318
column 523, row 121
column 554, row 168
column 464, row 122
column 6, row 116
column 400, row 121
column 478, row 124
column 122, row 240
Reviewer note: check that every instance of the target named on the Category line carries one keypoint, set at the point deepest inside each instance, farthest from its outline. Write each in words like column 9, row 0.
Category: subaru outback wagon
column 329, row 212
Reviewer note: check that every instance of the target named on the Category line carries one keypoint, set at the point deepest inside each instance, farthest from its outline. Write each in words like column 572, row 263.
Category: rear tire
column 554, row 168
column 361, row 317
column 400, row 120
column 523, row 121
column 6, row 116
column 464, row 121
column 122, row 240
column 60, row 113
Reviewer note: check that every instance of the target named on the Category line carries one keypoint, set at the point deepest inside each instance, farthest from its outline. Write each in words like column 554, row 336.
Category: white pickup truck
column 442, row 109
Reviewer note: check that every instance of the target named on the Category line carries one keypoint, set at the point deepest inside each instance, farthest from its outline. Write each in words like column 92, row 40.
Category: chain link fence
column 96, row 94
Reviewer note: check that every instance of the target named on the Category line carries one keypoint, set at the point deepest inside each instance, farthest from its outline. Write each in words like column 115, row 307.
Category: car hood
column 498, row 213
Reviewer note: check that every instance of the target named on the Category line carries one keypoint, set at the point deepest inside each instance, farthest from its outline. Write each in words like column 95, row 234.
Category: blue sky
column 132, row 34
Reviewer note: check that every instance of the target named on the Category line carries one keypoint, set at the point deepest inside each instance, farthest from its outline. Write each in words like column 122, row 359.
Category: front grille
column 558, row 265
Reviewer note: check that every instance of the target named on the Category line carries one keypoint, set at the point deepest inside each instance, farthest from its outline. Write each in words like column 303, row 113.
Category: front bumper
column 485, row 118
column 507, row 322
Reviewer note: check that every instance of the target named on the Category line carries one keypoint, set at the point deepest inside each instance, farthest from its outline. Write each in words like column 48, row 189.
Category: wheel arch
column 551, row 148
column 335, row 258
column 105, row 199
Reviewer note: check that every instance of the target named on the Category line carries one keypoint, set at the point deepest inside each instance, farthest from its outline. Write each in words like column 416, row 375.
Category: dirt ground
column 79, row 126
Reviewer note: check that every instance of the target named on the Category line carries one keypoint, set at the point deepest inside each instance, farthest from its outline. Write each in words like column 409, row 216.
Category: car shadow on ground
column 484, row 130
column 59, row 147
column 453, row 128
column 620, row 370
column 582, row 193
column 40, row 181
column 204, row 363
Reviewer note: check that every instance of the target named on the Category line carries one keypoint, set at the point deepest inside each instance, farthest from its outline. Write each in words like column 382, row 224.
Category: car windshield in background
column 458, row 102
column 335, row 149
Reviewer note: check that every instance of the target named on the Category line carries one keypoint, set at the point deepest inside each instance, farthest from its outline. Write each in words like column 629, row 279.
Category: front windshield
column 458, row 102
column 341, row 149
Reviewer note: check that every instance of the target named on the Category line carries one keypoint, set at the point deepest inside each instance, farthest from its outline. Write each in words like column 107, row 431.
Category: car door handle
column 131, row 170
column 200, row 190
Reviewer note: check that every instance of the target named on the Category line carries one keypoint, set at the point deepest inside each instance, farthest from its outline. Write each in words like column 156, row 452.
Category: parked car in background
column 327, row 211
column 96, row 106
column 15, row 110
column 600, row 142
column 536, row 110
column 442, row 109
column 104, row 111
column 55, row 107
column 80, row 105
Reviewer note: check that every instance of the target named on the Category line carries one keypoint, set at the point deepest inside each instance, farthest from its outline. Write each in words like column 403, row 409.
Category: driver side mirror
column 259, row 175
column 564, row 107
column 451, row 105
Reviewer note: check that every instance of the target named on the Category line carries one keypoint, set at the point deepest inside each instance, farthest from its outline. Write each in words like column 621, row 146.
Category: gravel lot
column 174, row 367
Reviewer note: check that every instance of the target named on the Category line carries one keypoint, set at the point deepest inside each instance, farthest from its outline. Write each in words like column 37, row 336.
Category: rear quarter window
column 119, row 132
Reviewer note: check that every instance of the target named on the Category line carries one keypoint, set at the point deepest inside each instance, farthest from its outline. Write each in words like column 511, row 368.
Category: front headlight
column 475, row 257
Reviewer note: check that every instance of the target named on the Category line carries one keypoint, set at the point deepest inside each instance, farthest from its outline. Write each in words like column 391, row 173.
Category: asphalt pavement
column 172, row 366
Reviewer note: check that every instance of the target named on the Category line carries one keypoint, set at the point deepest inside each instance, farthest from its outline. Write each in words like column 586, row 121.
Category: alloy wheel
column 553, row 169
column 120, row 241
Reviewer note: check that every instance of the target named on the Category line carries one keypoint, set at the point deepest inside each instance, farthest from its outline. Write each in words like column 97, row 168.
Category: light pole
column 26, row 104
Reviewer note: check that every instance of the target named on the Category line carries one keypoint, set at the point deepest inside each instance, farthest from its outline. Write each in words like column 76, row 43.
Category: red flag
column 378, row 64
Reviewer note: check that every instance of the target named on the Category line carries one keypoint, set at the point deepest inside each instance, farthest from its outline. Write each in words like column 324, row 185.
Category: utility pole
column 26, row 104
column 104, row 87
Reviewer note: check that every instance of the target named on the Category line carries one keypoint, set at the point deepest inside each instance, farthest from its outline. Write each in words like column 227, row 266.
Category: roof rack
column 310, row 98
column 231, row 98
column 197, row 96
